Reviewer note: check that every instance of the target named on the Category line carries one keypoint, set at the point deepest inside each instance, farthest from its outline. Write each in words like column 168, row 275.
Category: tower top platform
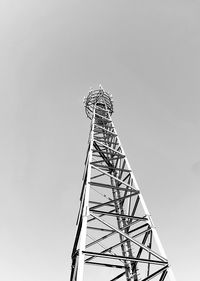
column 98, row 98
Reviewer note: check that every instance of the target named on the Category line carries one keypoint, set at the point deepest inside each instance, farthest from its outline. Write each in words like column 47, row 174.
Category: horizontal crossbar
column 117, row 257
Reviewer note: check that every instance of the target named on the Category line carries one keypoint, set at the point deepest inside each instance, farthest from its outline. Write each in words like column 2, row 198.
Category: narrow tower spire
column 116, row 238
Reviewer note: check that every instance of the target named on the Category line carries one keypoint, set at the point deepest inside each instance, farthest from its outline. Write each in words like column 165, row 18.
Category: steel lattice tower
column 115, row 237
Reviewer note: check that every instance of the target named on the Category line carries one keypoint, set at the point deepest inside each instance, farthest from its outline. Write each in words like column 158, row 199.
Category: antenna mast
column 115, row 233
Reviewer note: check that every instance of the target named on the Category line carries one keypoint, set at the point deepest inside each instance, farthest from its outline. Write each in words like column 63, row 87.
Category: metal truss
column 115, row 231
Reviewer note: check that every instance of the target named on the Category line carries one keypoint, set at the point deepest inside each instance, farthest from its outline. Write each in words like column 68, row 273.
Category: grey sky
column 146, row 53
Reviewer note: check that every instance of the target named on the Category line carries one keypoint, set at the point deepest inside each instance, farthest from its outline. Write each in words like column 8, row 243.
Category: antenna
column 114, row 227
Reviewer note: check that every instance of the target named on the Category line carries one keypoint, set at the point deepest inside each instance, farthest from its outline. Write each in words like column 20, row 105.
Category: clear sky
column 146, row 53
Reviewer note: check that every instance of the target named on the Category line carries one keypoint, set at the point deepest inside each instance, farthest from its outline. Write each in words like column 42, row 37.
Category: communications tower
column 115, row 238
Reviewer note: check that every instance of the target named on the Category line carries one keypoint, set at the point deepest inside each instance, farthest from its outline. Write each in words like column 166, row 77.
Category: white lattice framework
column 116, row 238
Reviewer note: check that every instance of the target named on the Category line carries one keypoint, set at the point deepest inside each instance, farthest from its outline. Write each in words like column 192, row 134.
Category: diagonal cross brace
column 131, row 239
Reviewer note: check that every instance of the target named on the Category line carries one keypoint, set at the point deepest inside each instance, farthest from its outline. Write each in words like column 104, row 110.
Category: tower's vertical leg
column 84, row 209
